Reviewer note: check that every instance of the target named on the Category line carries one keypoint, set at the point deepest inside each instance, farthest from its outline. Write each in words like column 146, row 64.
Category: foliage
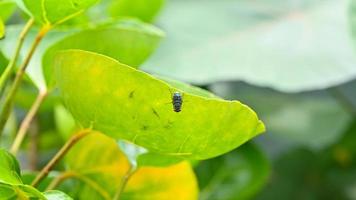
column 86, row 94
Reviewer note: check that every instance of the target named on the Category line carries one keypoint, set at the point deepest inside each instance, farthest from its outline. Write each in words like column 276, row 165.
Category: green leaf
column 19, row 191
column 56, row 195
column 11, row 186
column 52, row 12
column 10, row 169
column 274, row 43
column 7, row 7
column 129, row 41
column 99, row 166
column 125, row 103
column 237, row 175
column 142, row 9
column 318, row 118
column 2, row 29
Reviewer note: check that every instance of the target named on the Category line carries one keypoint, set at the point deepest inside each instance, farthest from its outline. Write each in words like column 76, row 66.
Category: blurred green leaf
column 276, row 43
column 97, row 161
column 51, row 12
column 142, row 9
column 34, row 69
column 302, row 174
column 237, row 175
column 114, row 98
column 7, row 7
column 129, row 41
column 313, row 119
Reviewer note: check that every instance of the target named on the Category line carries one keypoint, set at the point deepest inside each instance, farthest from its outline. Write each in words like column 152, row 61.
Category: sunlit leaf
column 10, row 169
column 142, row 9
column 128, row 104
column 7, row 7
column 52, row 12
column 237, row 175
column 276, row 43
column 2, row 29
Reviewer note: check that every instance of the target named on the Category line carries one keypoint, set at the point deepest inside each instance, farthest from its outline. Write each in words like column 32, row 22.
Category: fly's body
column 177, row 101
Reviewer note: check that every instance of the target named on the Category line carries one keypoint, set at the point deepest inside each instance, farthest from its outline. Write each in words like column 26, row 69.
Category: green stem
column 124, row 181
column 59, row 179
column 10, row 67
column 62, row 152
column 25, row 124
column 5, row 111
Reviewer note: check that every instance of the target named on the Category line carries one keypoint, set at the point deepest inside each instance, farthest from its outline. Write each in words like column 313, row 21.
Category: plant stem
column 124, row 181
column 10, row 67
column 5, row 111
column 67, row 146
column 33, row 146
column 27, row 122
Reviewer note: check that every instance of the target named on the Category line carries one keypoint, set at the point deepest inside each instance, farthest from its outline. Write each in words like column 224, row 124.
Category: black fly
column 177, row 101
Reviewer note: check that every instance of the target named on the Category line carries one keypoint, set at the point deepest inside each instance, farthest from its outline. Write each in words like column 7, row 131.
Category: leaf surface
column 125, row 103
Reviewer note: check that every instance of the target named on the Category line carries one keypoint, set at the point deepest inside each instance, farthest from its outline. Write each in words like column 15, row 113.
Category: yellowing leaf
column 100, row 166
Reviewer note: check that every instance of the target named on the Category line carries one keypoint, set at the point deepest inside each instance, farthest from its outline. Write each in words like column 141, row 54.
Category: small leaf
column 237, row 175
column 11, row 186
column 9, row 168
column 52, row 12
column 142, row 9
column 125, row 103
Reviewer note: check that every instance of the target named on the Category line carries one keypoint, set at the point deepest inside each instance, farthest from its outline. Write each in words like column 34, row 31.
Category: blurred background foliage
column 292, row 61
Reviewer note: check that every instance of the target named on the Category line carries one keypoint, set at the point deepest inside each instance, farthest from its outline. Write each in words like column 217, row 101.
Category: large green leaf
column 276, row 43
column 99, row 166
column 237, row 175
column 142, row 9
column 7, row 7
column 129, row 41
column 312, row 119
column 53, row 12
column 125, row 103
column 11, row 186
